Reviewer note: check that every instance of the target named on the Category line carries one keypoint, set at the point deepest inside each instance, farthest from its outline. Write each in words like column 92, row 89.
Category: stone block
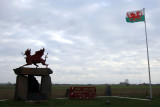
column 108, row 90
column 21, row 90
column 46, row 87
column 33, row 71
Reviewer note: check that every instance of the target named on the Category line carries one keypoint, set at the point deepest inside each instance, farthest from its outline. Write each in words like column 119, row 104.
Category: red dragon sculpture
column 134, row 17
column 36, row 58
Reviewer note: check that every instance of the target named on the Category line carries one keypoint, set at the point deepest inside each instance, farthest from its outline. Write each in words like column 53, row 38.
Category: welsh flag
column 135, row 16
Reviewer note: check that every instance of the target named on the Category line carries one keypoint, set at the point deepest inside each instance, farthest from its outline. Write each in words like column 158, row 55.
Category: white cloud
column 58, row 36
column 87, row 41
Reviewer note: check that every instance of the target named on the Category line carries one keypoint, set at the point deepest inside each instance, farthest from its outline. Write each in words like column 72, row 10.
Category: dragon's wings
column 39, row 53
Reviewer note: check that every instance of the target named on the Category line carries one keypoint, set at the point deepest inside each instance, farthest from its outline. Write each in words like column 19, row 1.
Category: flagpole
column 150, row 86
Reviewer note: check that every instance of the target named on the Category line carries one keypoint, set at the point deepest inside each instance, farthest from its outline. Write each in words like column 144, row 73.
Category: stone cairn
column 108, row 91
column 28, row 88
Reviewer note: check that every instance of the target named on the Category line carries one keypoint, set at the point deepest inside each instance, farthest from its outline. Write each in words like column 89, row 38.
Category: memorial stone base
column 28, row 88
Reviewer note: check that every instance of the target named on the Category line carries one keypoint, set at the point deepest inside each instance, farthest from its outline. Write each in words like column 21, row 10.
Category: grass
column 99, row 102
column 7, row 92
column 58, row 91
column 117, row 90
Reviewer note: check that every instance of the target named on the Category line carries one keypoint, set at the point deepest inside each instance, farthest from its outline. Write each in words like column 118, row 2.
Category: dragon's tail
column 46, row 57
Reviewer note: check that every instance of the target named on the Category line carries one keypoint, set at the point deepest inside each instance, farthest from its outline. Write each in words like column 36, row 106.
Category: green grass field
column 58, row 91
column 99, row 102
column 117, row 90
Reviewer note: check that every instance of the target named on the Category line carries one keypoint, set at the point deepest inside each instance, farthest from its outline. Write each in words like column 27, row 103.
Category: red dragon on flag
column 133, row 17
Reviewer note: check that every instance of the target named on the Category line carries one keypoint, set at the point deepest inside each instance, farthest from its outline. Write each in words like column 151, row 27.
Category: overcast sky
column 87, row 41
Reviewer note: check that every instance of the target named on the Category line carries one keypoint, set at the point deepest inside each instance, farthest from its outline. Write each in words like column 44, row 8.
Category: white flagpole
column 150, row 86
